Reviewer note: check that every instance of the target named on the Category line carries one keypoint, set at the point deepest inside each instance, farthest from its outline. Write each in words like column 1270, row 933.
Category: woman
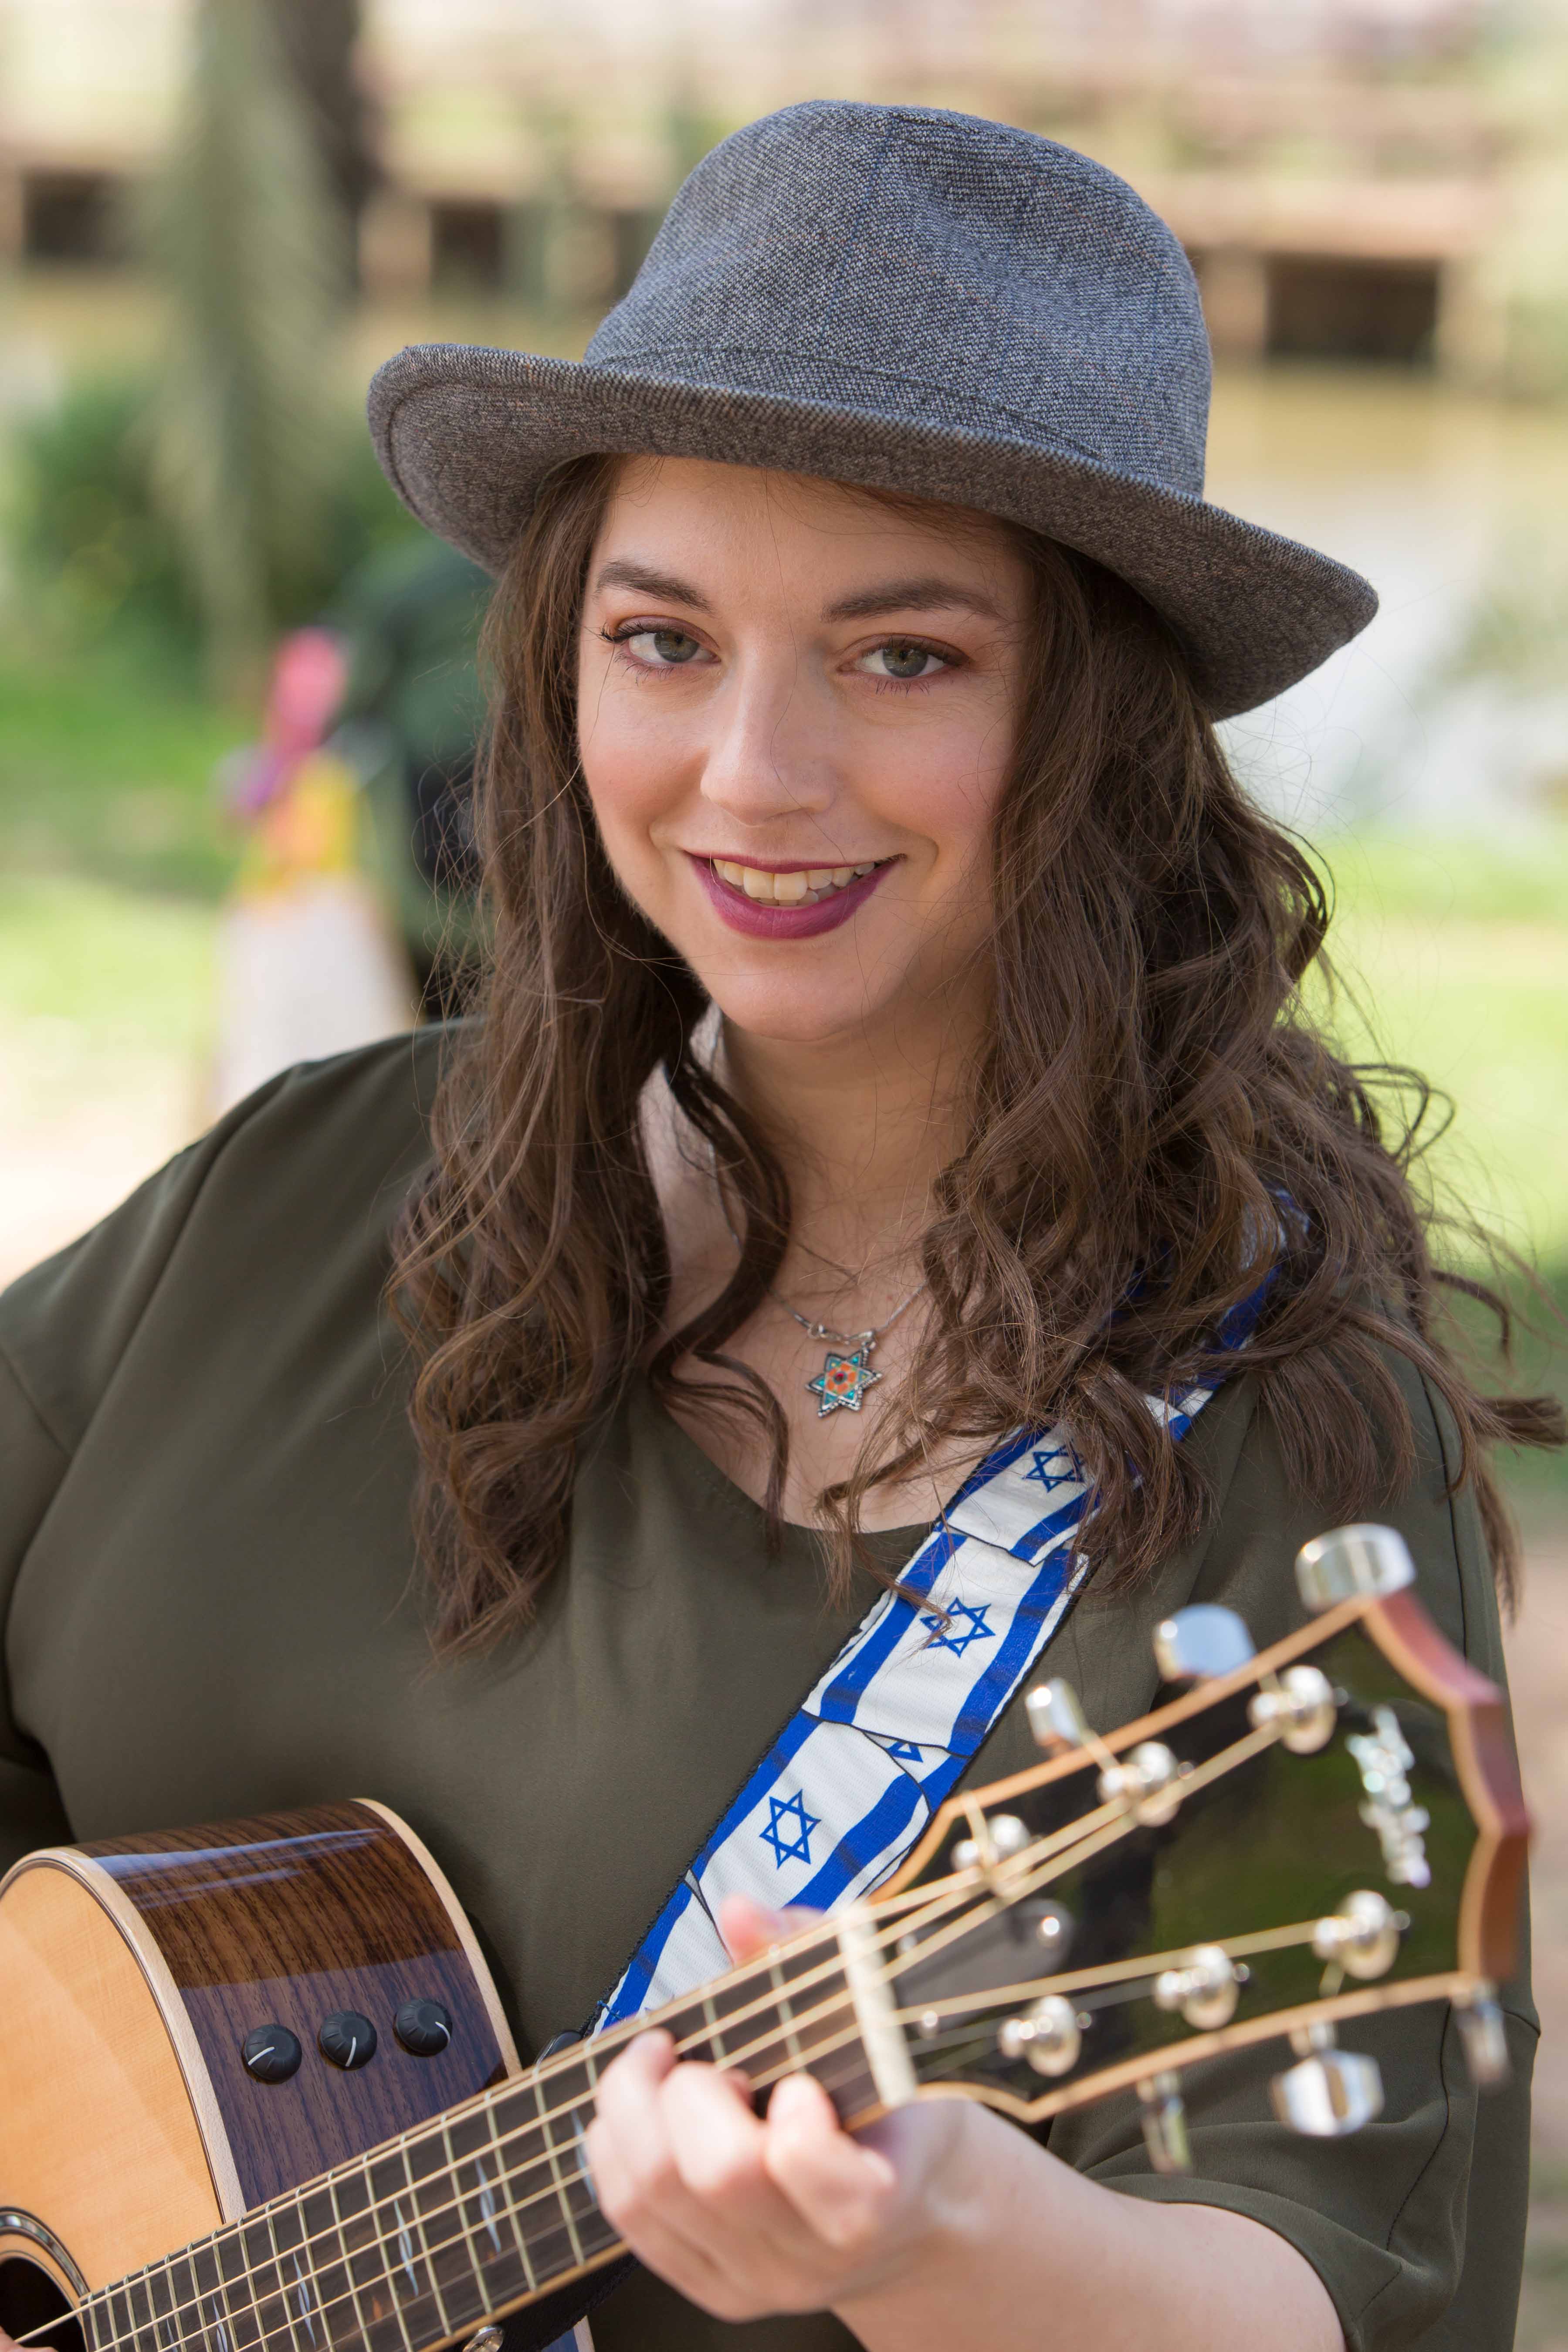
column 892, row 1041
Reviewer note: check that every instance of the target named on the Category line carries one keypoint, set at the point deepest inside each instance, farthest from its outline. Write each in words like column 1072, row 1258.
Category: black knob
column 424, row 2027
column 270, row 2054
column 347, row 2039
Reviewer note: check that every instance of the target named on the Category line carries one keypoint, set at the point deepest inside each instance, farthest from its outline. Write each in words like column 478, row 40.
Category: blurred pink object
column 309, row 676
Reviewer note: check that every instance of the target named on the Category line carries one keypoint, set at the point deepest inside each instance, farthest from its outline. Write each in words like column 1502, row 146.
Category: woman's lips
column 759, row 918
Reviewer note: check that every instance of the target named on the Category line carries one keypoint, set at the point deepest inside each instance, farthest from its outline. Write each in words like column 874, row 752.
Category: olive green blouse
column 210, row 1610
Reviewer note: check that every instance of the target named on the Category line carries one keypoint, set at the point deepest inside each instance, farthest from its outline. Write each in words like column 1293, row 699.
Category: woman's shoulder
column 1266, row 1507
column 309, row 1170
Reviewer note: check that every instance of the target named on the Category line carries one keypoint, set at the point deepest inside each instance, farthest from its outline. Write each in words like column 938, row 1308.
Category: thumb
column 749, row 1928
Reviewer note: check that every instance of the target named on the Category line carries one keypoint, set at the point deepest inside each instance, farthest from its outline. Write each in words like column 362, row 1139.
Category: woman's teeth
column 799, row 889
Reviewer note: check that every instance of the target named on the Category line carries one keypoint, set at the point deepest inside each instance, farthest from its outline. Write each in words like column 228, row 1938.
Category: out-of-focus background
column 238, row 698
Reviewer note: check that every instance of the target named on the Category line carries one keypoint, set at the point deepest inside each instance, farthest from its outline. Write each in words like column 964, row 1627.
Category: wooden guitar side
column 130, row 1972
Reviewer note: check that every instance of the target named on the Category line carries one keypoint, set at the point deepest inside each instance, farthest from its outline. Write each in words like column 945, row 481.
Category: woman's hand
column 943, row 2229
column 748, row 2216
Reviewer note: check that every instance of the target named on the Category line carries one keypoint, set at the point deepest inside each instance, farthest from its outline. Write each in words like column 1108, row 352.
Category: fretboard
column 427, row 2237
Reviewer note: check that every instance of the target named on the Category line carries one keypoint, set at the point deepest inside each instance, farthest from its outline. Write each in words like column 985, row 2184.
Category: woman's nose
column 770, row 753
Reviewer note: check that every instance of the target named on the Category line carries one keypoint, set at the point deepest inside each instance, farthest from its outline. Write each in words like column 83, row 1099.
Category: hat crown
column 930, row 269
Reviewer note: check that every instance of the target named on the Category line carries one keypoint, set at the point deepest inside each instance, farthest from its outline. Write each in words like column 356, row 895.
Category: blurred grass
column 105, row 771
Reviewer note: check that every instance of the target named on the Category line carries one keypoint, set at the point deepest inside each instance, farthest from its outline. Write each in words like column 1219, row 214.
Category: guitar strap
column 854, row 1778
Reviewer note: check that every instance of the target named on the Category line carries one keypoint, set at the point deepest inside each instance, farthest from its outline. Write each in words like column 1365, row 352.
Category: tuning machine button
column 422, row 2027
column 1055, row 1718
column 346, row 2039
column 1005, row 1835
column 1483, row 2039
column 1362, row 1936
column 1164, row 2120
column 1048, row 2036
column 1352, row 1564
column 1147, row 1781
column 1204, row 1989
column 1200, row 1644
column 1300, row 1704
column 1332, row 2093
column 270, row 2053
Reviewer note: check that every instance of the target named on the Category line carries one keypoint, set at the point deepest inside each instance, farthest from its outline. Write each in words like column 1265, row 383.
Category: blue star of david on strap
column 1041, row 1475
column 906, row 1750
column 789, row 1812
column 977, row 1628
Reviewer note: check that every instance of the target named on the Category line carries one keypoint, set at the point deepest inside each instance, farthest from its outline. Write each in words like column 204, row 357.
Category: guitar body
column 131, row 1973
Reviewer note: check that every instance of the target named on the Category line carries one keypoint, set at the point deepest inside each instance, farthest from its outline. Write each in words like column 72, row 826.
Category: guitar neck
column 428, row 2236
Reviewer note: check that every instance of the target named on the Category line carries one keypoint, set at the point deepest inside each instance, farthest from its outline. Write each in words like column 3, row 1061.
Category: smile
column 795, row 886
column 783, row 902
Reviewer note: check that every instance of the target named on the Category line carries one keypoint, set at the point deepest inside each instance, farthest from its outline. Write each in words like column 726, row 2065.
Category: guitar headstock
column 1328, row 1828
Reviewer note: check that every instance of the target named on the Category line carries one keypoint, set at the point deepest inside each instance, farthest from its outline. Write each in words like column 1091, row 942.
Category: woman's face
column 796, row 710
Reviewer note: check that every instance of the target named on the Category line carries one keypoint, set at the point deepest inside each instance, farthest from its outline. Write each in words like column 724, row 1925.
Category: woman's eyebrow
column 624, row 573
column 927, row 594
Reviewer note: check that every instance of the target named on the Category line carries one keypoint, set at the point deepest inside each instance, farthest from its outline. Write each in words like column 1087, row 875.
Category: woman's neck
column 861, row 1127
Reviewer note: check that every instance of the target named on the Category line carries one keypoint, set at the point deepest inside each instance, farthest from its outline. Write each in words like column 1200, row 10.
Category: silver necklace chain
column 866, row 1339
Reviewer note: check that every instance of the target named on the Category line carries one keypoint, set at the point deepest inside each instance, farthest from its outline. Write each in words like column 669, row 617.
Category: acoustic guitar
column 258, row 2093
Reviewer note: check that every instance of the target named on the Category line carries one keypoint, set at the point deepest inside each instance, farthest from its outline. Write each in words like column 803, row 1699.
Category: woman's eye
column 662, row 648
column 903, row 663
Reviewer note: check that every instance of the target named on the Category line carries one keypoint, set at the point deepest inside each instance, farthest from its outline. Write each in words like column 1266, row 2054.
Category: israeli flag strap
column 854, row 1778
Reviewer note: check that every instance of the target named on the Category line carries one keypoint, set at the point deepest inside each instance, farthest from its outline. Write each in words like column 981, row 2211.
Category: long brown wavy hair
column 1157, row 1117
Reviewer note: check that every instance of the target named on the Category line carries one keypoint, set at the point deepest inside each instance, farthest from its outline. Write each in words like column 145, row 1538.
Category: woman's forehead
column 751, row 520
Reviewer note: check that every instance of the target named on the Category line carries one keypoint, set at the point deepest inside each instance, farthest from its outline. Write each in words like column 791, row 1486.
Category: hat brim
column 466, row 435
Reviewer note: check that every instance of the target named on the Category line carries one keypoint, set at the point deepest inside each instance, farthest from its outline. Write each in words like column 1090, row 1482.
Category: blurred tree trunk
column 318, row 40
column 249, row 237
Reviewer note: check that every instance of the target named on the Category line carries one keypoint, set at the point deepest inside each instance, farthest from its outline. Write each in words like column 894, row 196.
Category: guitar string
column 1070, row 1837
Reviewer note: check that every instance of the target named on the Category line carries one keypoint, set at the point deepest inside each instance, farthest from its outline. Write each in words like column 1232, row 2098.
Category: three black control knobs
column 270, row 2053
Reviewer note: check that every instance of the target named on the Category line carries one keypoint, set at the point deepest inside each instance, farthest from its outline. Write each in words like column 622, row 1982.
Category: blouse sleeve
column 1415, row 2224
column 64, row 1328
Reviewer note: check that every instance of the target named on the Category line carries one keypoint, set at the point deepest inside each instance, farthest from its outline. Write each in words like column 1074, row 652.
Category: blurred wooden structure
column 1380, row 180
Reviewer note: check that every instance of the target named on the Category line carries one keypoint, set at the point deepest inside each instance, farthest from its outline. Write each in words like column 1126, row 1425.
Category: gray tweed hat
column 914, row 300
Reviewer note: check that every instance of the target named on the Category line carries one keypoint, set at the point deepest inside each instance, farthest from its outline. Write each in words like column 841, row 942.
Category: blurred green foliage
column 97, row 565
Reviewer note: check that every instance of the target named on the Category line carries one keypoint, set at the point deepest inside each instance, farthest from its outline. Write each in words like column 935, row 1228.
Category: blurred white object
column 304, row 971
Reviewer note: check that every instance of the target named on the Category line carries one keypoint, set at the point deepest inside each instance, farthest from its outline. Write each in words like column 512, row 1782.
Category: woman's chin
column 794, row 1012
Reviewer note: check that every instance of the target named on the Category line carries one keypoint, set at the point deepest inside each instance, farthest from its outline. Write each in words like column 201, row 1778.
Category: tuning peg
column 1050, row 2037
column 1353, row 1563
column 1005, row 1835
column 1483, row 2040
column 1332, row 2093
column 1166, row 2124
column 1200, row 1644
column 1056, row 1717
column 1362, row 1935
column 1206, row 1988
column 1148, row 1782
column 1300, row 1703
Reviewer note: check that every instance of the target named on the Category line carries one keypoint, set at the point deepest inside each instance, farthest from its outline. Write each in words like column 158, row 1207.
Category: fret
column 239, row 2291
column 498, row 2194
column 404, row 2258
column 327, row 2264
column 483, row 2206
column 186, row 2317
column 359, row 2227
column 120, row 2317
column 161, row 2295
column 415, row 2246
column 272, row 2317
column 787, row 2012
column 449, row 2252
column 448, row 2179
column 288, row 2235
column 206, row 2285
column 565, row 2227
column 139, row 2294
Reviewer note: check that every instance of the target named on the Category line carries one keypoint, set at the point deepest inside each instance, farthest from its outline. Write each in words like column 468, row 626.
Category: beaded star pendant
column 843, row 1382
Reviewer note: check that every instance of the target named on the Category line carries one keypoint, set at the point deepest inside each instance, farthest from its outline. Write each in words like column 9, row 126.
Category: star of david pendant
column 842, row 1382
